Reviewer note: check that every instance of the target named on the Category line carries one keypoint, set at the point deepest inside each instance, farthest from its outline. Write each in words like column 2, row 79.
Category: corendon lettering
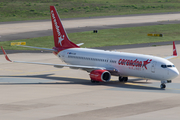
column 60, row 37
column 55, row 23
column 134, row 63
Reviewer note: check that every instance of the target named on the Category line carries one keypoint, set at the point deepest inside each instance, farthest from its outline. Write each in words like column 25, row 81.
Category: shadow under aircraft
column 134, row 83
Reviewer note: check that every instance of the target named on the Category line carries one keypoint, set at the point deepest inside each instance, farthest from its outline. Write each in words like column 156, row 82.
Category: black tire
column 163, row 86
column 123, row 79
column 120, row 79
column 93, row 81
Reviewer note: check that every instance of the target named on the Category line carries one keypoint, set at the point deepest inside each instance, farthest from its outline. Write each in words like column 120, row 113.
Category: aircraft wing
column 87, row 68
column 170, row 57
column 47, row 49
column 174, row 52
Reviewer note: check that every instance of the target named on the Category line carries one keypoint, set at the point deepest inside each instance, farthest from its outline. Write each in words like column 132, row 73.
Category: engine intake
column 100, row 75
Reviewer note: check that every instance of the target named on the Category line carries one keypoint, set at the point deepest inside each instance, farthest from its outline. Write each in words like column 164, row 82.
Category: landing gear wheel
column 163, row 86
column 123, row 79
column 93, row 81
column 120, row 79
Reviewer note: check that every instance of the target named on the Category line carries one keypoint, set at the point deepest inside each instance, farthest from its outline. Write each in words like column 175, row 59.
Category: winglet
column 7, row 58
column 174, row 49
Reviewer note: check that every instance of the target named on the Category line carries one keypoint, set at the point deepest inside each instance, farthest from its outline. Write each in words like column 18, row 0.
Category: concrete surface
column 46, row 25
column 29, row 29
column 44, row 92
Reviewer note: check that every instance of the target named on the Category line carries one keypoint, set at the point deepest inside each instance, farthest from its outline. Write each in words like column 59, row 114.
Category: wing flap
column 62, row 65
column 87, row 68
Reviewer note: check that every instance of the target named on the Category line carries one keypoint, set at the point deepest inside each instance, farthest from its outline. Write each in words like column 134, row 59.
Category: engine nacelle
column 100, row 75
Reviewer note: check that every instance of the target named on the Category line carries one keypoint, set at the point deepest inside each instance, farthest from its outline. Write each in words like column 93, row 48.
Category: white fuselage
column 127, row 64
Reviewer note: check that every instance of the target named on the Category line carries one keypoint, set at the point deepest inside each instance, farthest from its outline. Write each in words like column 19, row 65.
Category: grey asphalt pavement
column 33, row 34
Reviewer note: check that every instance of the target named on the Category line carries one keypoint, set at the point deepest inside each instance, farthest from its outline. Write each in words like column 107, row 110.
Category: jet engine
column 100, row 75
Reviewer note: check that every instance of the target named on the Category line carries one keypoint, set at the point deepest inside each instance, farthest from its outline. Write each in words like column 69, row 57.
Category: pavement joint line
column 149, row 86
column 70, row 77
column 175, row 58
column 141, row 85
column 172, row 89
column 135, row 84
column 20, row 77
column 11, row 70
column 57, row 76
column 31, row 73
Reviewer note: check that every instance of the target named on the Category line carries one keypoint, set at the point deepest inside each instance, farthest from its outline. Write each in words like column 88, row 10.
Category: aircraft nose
column 173, row 73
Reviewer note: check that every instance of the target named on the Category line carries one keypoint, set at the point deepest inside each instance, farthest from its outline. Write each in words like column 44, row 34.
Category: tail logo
column 60, row 36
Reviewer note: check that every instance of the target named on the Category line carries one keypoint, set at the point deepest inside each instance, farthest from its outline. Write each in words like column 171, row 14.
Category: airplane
column 101, row 64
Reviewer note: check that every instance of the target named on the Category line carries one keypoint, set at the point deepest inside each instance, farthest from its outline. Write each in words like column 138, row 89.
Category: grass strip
column 107, row 37
column 18, row 10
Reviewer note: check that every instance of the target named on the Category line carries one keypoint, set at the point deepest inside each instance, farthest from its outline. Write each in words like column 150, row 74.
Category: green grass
column 108, row 37
column 16, row 10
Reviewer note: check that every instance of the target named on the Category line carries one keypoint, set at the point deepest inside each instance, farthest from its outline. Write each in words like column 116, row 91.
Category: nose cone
column 173, row 73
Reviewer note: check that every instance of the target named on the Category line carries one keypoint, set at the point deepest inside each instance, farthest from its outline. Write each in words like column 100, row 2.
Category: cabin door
column 153, row 67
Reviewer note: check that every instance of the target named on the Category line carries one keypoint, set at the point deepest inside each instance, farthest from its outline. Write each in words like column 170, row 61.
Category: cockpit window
column 165, row 66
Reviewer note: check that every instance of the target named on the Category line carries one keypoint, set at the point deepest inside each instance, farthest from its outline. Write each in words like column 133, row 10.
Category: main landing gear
column 123, row 79
column 163, row 84
column 93, row 81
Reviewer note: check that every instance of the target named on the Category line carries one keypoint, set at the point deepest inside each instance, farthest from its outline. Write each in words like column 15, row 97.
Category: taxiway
column 38, row 28
column 43, row 92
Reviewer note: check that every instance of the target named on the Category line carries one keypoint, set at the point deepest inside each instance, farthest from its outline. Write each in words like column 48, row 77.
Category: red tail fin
column 61, row 39
column 174, row 49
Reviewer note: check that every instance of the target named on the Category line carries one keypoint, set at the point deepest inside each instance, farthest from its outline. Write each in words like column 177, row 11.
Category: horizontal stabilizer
column 46, row 49
column 79, row 44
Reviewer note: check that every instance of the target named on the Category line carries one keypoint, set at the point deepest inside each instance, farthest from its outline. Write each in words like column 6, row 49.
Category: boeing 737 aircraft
column 102, row 64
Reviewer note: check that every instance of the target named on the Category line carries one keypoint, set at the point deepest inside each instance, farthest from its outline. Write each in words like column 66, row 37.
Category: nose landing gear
column 163, row 83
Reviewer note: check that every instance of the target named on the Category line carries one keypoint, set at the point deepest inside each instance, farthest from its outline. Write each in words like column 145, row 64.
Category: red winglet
column 7, row 58
column 174, row 49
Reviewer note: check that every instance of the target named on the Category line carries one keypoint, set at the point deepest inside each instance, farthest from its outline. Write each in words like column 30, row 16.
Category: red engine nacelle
column 100, row 75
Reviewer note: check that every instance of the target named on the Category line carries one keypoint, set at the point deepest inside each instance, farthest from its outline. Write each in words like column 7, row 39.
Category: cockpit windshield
column 165, row 66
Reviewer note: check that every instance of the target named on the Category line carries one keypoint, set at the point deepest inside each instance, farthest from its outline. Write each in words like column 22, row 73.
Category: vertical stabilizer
column 61, row 39
column 174, row 49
